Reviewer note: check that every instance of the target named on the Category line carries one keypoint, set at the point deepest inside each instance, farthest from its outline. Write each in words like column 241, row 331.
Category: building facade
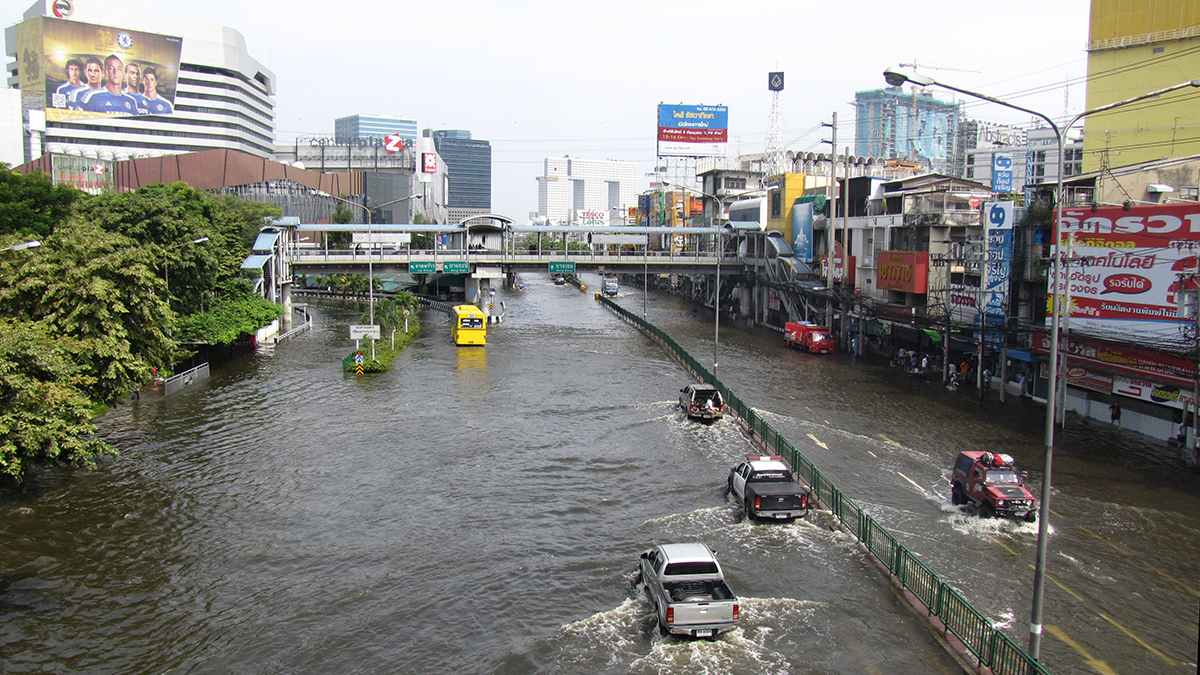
column 209, row 92
column 892, row 124
column 1033, row 162
column 356, row 127
column 1135, row 47
column 569, row 185
column 469, row 167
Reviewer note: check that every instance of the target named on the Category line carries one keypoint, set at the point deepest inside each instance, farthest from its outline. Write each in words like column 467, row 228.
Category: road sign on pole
column 360, row 331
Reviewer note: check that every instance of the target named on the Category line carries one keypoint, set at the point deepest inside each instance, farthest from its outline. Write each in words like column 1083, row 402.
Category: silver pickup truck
column 687, row 587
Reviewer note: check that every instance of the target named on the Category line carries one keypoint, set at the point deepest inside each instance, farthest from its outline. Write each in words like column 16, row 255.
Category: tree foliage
column 46, row 417
column 31, row 206
column 230, row 317
column 100, row 289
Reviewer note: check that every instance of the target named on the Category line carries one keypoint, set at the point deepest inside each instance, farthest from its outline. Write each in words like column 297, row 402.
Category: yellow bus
column 468, row 325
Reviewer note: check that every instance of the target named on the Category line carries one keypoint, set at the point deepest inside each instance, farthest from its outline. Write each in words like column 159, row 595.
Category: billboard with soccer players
column 76, row 70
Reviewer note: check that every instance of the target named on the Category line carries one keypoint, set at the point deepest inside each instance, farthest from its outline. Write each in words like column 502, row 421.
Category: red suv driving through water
column 990, row 481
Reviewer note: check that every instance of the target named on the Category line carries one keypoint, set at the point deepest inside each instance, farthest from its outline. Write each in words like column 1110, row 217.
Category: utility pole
column 845, row 332
column 829, row 222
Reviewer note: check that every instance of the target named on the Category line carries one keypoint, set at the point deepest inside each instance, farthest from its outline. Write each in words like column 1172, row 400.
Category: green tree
column 101, row 289
column 236, row 312
column 170, row 217
column 31, row 205
column 46, row 419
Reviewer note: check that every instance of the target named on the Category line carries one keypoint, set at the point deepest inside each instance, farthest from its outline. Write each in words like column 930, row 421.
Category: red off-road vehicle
column 990, row 481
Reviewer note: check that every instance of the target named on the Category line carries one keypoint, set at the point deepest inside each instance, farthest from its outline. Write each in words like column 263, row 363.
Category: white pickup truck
column 767, row 489
column 688, row 589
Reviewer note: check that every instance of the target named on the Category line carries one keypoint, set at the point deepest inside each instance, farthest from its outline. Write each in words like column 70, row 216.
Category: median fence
column 946, row 608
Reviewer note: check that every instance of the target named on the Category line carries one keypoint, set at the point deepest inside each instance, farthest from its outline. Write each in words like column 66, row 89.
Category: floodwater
column 480, row 510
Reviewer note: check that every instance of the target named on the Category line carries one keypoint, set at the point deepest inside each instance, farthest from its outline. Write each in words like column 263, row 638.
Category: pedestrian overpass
column 489, row 247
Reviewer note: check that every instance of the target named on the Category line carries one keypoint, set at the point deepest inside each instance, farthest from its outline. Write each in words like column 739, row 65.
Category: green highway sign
column 562, row 267
column 456, row 267
column 422, row 267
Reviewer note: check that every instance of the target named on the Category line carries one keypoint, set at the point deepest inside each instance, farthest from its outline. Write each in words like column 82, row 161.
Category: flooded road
column 1123, row 589
column 480, row 510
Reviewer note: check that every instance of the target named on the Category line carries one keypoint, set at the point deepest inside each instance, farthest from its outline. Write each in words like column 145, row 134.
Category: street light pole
column 896, row 78
column 371, row 244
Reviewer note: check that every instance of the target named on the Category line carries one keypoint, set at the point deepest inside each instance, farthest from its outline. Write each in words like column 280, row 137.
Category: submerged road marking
column 1070, row 592
column 872, row 454
column 1187, row 588
column 862, row 654
column 1118, row 549
column 1125, row 630
column 1099, row 666
column 1006, row 548
column 814, row 440
column 915, row 484
column 890, row 441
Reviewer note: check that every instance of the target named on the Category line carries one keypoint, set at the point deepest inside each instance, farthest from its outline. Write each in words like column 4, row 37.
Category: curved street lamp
column 25, row 246
column 370, row 244
column 896, row 78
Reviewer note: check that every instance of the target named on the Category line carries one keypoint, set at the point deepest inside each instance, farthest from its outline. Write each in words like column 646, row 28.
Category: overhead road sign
column 422, row 267
column 456, row 267
column 562, row 267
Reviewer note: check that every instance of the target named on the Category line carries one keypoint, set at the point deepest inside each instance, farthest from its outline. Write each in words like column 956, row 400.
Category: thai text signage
column 1139, row 363
column 1002, row 172
column 1128, row 268
column 997, row 266
column 906, row 271
column 692, row 130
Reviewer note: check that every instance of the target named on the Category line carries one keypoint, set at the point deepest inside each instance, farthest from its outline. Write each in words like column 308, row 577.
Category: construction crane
column 914, row 131
column 914, row 65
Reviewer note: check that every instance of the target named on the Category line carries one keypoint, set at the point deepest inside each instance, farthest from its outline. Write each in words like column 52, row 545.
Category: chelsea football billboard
column 76, row 70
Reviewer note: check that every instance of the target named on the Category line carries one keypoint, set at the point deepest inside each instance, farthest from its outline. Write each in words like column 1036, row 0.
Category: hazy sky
column 541, row 78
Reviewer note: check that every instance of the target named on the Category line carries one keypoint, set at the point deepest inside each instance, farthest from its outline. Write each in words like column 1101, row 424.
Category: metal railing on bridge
column 946, row 608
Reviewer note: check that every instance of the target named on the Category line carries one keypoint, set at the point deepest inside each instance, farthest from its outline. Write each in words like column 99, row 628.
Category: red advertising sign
column 429, row 162
column 393, row 143
column 906, row 271
column 1127, row 268
column 1142, row 363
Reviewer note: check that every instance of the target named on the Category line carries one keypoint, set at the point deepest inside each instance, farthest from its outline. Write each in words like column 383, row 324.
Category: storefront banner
column 906, row 271
column 1127, row 269
column 1173, row 397
column 1130, row 360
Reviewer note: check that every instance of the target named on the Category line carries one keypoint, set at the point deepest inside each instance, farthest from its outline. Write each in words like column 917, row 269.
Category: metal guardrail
column 943, row 603
column 308, row 322
column 176, row 382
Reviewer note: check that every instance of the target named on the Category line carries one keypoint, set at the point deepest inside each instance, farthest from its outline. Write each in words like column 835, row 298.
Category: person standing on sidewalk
column 1115, row 411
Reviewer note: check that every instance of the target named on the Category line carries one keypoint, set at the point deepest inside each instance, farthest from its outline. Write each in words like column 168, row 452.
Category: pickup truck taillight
column 735, row 611
column 671, row 614
column 757, row 503
column 804, row 501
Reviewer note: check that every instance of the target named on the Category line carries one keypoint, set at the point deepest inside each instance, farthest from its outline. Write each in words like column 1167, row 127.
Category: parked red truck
column 808, row 337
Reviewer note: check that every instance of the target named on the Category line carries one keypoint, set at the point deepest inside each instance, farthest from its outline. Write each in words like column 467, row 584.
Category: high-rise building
column 193, row 86
column 892, row 124
column 1135, row 47
column 372, row 126
column 570, row 185
column 469, row 167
